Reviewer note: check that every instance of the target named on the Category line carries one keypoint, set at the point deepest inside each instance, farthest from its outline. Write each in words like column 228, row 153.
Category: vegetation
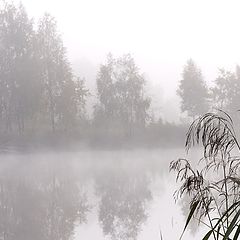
column 193, row 91
column 41, row 97
column 214, row 187
column 226, row 92
column 38, row 89
column 122, row 102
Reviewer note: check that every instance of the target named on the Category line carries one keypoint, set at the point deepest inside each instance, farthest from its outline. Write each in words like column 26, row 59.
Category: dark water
column 90, row 195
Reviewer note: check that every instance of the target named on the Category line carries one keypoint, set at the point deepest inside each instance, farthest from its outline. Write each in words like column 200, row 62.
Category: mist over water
column 91, row 195
column 99, row 101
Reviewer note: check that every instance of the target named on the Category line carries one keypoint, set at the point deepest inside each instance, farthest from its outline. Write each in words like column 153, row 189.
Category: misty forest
column 80, row 162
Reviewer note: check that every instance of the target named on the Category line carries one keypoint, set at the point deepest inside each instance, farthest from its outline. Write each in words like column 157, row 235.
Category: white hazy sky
column 160, row 34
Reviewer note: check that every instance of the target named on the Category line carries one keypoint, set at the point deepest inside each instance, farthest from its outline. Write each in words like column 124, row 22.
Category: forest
column 41, row 97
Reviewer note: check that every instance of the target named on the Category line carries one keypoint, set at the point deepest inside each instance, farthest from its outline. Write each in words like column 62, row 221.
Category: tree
column 55, row 70
column 70, row 106
column 193, row 91
column 122, row 100
column 226, row 92
column 220, row 92
column 64, row 96
column 36, row 79
column 18, row 79
column 234, row 91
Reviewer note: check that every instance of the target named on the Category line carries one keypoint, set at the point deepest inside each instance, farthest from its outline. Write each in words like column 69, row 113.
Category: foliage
column 214, row 187
column 226, row 91
column 122, row 100
column 37, row 86
column 193, row 91
column 18, row 99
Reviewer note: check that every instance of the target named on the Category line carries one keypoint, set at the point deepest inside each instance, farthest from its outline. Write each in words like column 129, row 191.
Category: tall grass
column 214, row 185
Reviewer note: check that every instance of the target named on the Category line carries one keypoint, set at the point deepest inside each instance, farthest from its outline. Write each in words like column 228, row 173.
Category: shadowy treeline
column 197, row 98
column 42, row 102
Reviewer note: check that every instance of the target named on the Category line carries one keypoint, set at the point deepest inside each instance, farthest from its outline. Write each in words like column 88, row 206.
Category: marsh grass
column 214, row 186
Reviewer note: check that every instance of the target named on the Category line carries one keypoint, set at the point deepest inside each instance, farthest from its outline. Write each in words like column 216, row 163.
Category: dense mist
column 89, row 139
column 45, row 102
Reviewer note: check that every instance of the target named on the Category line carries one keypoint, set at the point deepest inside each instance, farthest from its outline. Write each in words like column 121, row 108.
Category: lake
column 91, row 195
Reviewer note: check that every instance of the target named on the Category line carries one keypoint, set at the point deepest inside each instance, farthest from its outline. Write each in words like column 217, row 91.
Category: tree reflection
column 123, row 199
column 40, row 207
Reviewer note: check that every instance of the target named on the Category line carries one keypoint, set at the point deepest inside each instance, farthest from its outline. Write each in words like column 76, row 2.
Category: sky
column 160, row 34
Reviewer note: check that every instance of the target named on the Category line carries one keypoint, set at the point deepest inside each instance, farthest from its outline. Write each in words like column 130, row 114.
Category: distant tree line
column 197, row 98
column 41, row 95
column 37, row 85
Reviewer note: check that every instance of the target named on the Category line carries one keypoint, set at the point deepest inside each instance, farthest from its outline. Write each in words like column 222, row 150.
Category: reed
column 214, row 185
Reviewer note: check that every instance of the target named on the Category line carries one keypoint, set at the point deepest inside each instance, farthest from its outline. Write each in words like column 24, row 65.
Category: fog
column 119, row 120
column 91, row 195
column 161, row 36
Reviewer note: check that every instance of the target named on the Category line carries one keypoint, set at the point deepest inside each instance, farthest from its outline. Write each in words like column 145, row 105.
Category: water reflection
column 123, row 200
column 39, row 204
column 52, row 196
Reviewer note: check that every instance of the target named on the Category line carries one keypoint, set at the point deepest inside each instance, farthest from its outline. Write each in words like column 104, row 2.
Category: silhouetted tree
column 64, row 96
column 19, row 85
column 36, row 81
column 193, row 91
column 220, row 92
column 53, row 64
column 71, row 104
column 226, row 92
column 123, row 103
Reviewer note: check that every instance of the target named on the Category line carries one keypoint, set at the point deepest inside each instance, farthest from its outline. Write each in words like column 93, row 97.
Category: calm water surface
column 98, row 195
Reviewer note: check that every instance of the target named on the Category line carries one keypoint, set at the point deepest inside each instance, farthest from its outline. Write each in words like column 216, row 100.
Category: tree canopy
column 37, row 84
column 121, row 94
column 193, row 90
